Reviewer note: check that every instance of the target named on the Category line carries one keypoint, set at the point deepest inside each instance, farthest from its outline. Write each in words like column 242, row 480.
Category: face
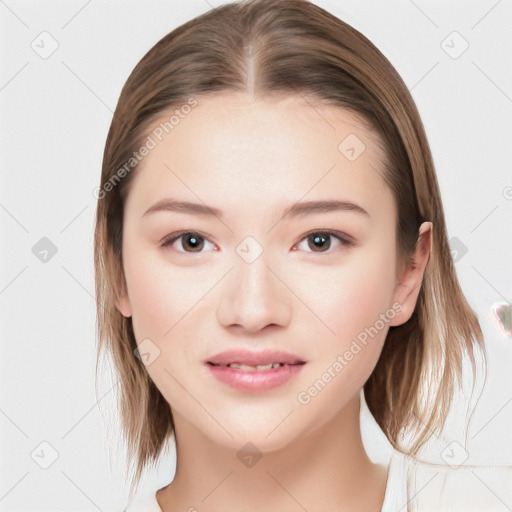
column 261, row 266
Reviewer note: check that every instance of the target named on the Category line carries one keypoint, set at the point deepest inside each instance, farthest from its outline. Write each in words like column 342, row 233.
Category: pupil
column 193, row 241
column 320, row 239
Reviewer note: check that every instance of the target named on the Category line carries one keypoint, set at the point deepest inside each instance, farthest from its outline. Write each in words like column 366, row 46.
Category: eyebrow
column 299, row 209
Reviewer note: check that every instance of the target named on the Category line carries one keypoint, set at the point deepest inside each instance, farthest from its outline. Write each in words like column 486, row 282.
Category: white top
column 414, row 486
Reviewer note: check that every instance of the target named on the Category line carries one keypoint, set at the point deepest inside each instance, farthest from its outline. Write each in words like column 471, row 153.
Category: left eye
column 320, row 241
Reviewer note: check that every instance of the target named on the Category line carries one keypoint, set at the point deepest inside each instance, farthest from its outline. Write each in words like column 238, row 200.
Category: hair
column 289, row 47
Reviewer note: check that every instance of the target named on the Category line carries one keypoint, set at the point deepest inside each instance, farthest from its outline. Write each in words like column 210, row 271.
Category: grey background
column 56, row 110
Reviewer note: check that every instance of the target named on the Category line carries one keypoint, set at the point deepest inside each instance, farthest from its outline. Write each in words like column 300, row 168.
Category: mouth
column 254, row 371
column 255, row 368
column 251, row 360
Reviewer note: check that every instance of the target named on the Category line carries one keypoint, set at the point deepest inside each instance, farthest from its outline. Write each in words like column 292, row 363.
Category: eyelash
column 343, row 239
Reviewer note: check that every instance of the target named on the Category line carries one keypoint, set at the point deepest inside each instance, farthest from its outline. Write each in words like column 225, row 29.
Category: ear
column 124, row 306
column 122, row 301
column 409, row 281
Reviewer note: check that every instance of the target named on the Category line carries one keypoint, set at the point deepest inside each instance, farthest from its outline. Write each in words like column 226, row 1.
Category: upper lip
column 254, row 358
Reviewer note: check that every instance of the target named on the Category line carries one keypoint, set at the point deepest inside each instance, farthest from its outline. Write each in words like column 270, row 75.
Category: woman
column 270, row 241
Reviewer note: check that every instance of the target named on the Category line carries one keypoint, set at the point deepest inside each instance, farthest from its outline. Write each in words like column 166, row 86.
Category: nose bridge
column 254, row 297
column 252, row 276
column 251, row 266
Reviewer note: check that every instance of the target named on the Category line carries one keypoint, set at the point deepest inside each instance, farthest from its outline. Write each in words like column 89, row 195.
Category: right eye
column 189, row 240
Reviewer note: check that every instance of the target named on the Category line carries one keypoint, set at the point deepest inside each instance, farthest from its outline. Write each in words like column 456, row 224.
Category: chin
column 267, row 432
column 252, row 440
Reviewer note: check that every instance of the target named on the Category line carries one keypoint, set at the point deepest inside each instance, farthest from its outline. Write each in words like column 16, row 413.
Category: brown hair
column 294, row 47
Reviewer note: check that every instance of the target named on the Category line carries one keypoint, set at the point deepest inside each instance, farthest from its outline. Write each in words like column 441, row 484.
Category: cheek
column 156, row 295
column 146, row 300
column 165, row 298
column 164, row 301
column 351, row 296
column 355, row 303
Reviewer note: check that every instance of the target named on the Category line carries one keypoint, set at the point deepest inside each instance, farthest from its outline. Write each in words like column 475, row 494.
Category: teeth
column 245, row 367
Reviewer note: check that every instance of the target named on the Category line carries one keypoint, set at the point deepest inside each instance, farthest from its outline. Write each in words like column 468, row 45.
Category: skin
column 252, row 158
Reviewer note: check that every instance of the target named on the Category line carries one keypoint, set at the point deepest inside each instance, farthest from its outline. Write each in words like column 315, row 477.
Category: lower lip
column 254, row 380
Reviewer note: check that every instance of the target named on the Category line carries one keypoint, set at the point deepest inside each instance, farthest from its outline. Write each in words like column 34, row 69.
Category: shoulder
column 416, row 485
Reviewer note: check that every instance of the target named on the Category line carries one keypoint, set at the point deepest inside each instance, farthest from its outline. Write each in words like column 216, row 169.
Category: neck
column 328, row 469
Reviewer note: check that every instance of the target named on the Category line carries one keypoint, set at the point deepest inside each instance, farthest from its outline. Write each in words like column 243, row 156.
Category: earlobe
column 120, row 292
column 124, row 306
column 409, row 282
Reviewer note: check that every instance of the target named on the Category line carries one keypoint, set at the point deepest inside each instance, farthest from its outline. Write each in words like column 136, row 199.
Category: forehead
column 233, row 145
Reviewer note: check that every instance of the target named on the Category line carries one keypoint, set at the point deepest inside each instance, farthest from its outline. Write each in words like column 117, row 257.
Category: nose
column 254, row 296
